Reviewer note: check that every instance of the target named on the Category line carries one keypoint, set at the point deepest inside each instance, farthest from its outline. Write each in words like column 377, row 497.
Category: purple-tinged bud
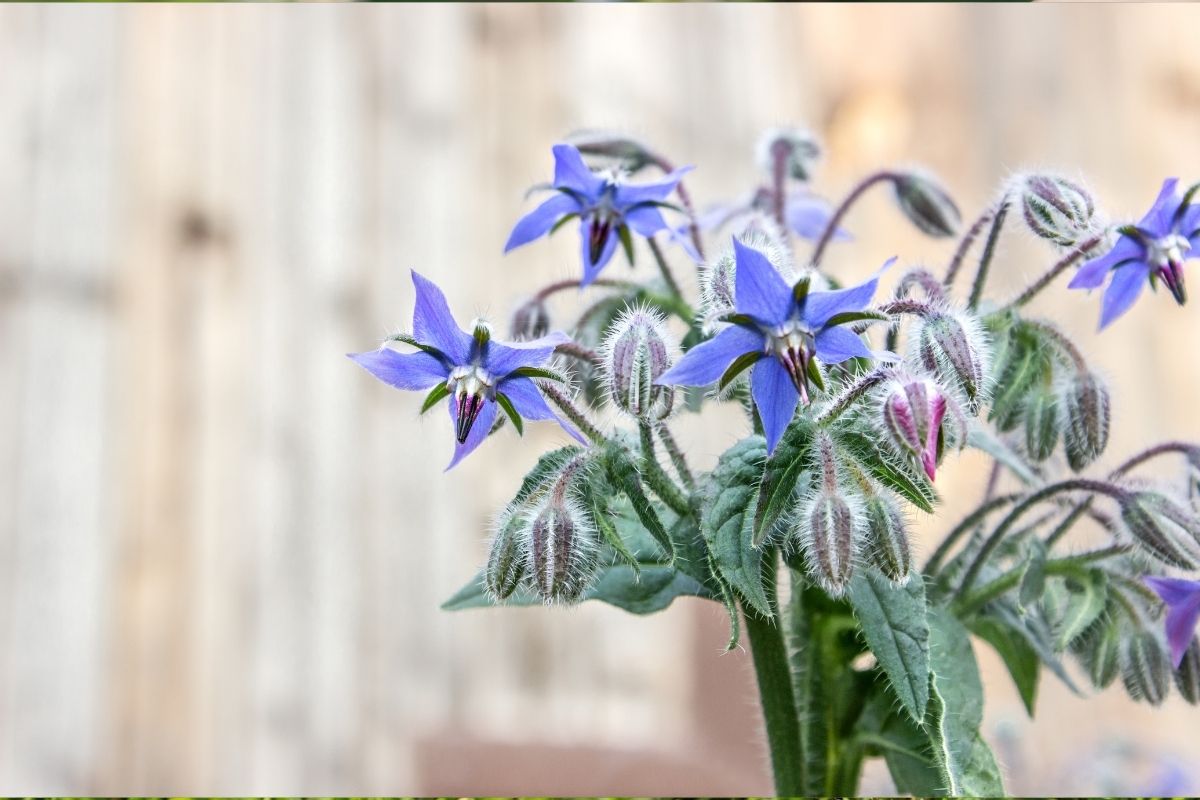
column 637, row 351
column 506, row 561
column 1086, row 412
column 799, row 149
column 1057, row 209
column 1099, row 650
column 1163, row 528
column 562, row 551
column 1041, row 424
column 830, row 541
column 888, row 547
column 1187, row 674
column 1145, row 668
column 926, row 204
column 912, row 416
column 530, row 321
column 608, row 149
column 953, row 346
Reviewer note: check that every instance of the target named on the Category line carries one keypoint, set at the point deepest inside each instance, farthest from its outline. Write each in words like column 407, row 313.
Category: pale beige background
column 222, row 547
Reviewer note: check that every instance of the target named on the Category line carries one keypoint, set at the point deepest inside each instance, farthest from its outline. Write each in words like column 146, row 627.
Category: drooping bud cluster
column 637, row 351
column 914, row 412
column 1056, row 209
column 926, row 204
column 1086, row 412
column 829, row 525
column 1163, row 528
column 1041, row 424
column 797, row 148
column 1099, row 651
column 1187, row 675
column 1145, row 668
column 888, row 548
column 506, row 560
column 952, row 346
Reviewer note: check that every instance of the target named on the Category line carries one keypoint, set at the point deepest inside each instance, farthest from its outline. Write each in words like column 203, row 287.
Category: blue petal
column 633, row 194
column 537, row 223
column 836, row 344
column 571, row 173
column 592, row 270
column 1158, row 219
column 433, row 324
column 759, row 290
column 529, row 403
column 645, row 220
column 707, row 361
column 479, row 431
column 1126, row 285
column 1190, row 224
column 411, row 371
column 1173, row 591
column 775, row 397
column 1181, row 626
column 808, row 216
column 820, row 307
column 504, row 357
column 1093, row 273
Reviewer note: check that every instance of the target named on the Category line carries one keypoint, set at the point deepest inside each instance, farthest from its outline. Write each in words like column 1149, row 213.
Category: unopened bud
column 718, row 277
column 926, row 204
column 1041, row 424
column 912, row 416
column 1187, row 674
column 637, row 351
column 1163, row 528
column 506, row 563
column 797, row 147
column 562, row 552
column 828, row 530
column 1145, row 668
column 530, row 321
column 1086, row 409
column 887, row 539
column 1057, row 209
column 953, row 346
column 606, row 149
column 1099, row 650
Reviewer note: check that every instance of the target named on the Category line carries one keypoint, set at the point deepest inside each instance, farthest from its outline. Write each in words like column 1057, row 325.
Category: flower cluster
column 853, row 398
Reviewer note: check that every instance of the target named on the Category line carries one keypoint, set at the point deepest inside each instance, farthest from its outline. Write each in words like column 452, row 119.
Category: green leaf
column 549, row 466
column 982, row 439
column 623, row 473
column 601, row 515
column 1019, row 657
column 511, row 413
column 562, row 221
column 857, row 316
column 410, row 340
column 893, row 621
column 895, row 473
column 626, row 242
column 726, row 525
column 435, row 394
column 1033, row 578
column 1087, row 596
column 539, row 372
column 1036, row 633
column 780, row 476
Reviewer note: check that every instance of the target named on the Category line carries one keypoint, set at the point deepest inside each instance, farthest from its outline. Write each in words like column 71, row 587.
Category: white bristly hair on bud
column 637, row 349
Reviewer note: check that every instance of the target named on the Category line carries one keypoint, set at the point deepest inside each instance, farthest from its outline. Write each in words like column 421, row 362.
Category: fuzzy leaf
column 1033, row 578
column 780, row 476
column 1019, row 657
column 1036, row 633
column 726, row 525
column 624, row 476
column 897, row 475
column 893, row 621
column 982, row 439
column 547, row 468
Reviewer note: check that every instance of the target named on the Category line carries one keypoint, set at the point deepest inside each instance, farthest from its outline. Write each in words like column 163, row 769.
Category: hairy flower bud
column 1163, row 528
column 1086, row 412
column 1145, row 668
column 830, row 540
column 562, row 551
column 1057, row 209
column 926, row 204
column 887, row 539
column 718, row 277
column 530, row 321
column 637, row 351
column 506, row 561
column 1099, row 650
column 1187, row 675
column 912, row 416
column 953, row 346
column 1041, row 424
column 606, row 149
column 797, row 147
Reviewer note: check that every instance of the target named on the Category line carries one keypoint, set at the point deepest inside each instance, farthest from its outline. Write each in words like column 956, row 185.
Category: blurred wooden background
column 222, row 547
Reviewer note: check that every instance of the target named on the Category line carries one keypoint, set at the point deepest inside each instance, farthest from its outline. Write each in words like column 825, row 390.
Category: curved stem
column 961, row 529
column 993, row 541
column 572, row 412
column 1041, row 283
column 989, row 250
column 559, row 286
column 775, row 692
column 581, row 352
column 1064, row 344
column 964, row 246
column 855, row 193
column 847, row 398
column 678, row 459
column 1009, row 580
column 657, row 478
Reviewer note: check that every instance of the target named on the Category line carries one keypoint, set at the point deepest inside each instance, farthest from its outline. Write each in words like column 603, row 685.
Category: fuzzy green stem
column 657, row 478
column 961, row 529
column 1009, row 580
column 964, row 246
column 989, row 250
column 572, row 412
column 678, row 459
column 855, row 193
column 847, row 398
column 776, row 694
column 579, row 352
column 1041, row 283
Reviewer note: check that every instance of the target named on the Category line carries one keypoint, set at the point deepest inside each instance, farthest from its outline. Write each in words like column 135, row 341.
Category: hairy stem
column 560, row 286
column 855, row 193
column 678, row 459
column 961, row 529
column 685, row 200
column 580, row 352
column 571, row 411
column 657, row 478
column 1063, row 342
column 847, row 398
column 1041, row 283
column 989, row 250
column 1009, row 580
column 964, row 246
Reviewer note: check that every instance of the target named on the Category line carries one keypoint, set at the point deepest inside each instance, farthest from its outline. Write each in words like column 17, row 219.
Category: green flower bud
column 1163, row 528
column 1145, row 668
column 926, row 204
column 1041, row 424
column 506, row 562
column 1057, row 209
column 1187, row 675
column 888, row 547
column 563, row 551
column 953, row 346
column 1086, row 411
column 1099, row 651
column 828, row 530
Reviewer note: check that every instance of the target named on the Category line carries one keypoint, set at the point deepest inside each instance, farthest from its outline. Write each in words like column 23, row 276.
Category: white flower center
column 1168, row 250
column 470, row 380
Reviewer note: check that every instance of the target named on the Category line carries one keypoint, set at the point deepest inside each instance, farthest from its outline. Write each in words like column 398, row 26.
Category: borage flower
column 607, row 207
column 1182, row 598
column 1153, row 249
column 779, row 331
column 475, row 372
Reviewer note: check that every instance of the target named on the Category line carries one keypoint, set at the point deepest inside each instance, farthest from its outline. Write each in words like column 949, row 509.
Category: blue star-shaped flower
column 1182, row 598
column 607, row 208
column 778, row 330
column 1153, row 249
column 475, row 372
